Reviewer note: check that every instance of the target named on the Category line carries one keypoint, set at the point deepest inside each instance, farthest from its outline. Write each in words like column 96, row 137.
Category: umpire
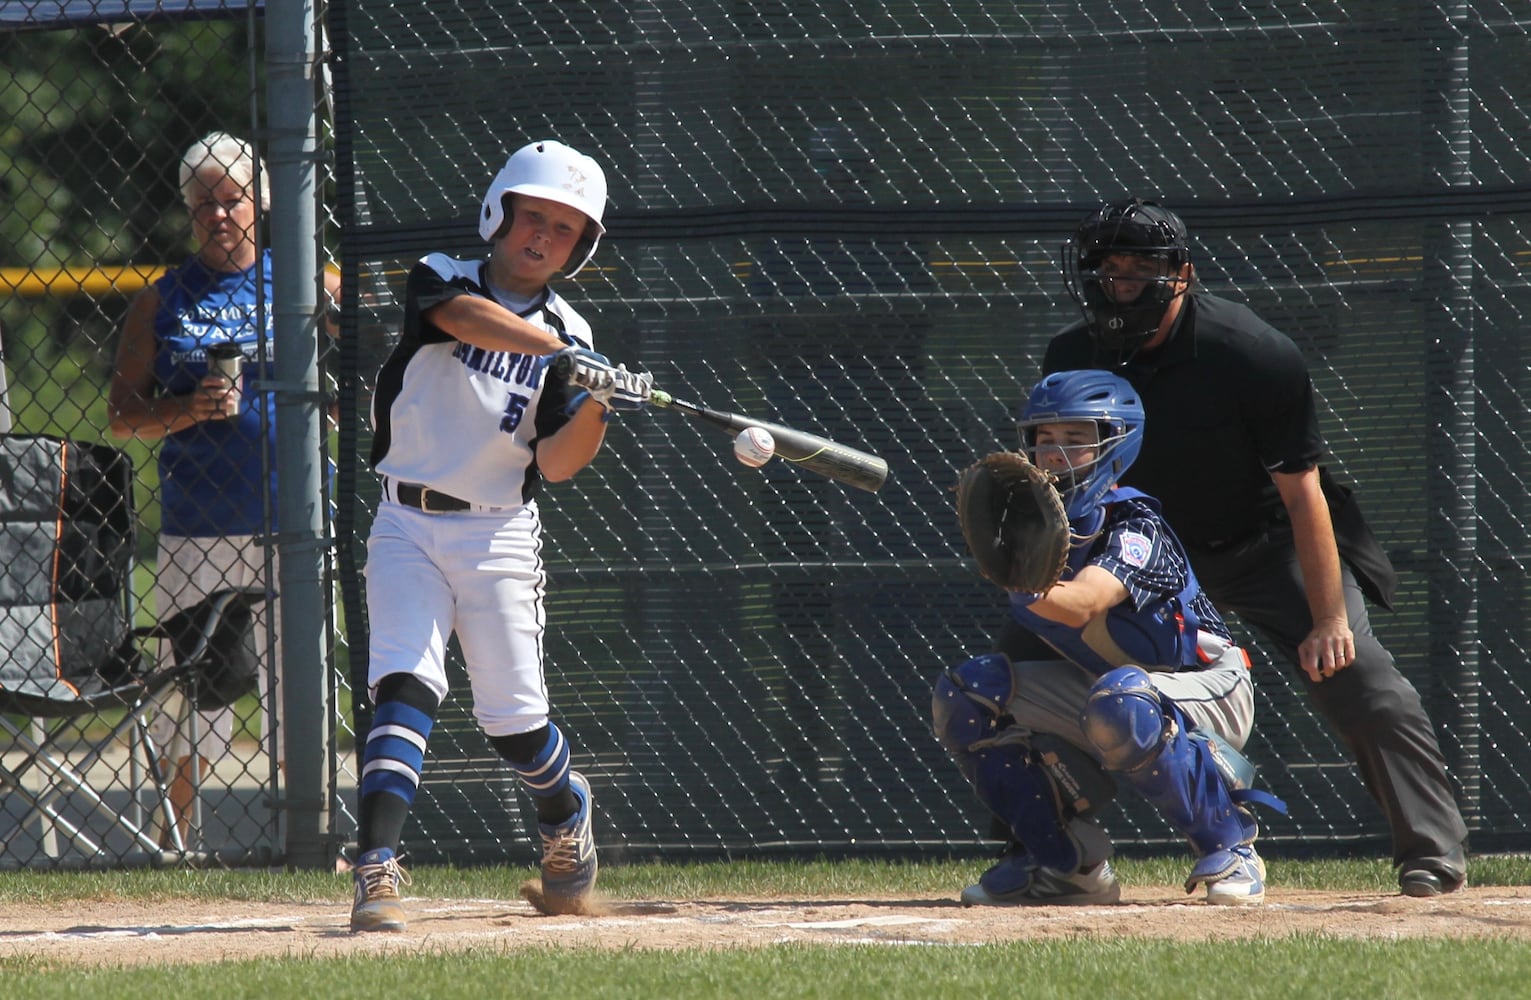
column 1231, row 449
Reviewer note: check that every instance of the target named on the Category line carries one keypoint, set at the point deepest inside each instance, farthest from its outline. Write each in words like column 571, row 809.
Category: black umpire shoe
column 1426, row 882
column 1422, row 879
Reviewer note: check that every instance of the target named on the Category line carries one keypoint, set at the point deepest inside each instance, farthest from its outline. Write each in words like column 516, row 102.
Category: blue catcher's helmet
column 1108, row 400
column 1138, row 227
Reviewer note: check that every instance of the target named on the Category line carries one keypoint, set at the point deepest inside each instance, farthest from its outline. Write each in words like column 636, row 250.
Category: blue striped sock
column 395, row 752
column 547, row 774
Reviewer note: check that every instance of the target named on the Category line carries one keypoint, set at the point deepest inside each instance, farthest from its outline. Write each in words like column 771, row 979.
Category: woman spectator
column 217, row 453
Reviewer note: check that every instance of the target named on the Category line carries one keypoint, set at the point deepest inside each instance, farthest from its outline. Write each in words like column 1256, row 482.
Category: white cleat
column 377, row 906
column 1244, row 885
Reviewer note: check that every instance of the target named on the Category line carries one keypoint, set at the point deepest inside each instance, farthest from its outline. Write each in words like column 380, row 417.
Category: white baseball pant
column 477, row 573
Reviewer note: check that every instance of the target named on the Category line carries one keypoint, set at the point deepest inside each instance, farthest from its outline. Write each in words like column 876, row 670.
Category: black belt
column 429, row 500
column 1271, row 519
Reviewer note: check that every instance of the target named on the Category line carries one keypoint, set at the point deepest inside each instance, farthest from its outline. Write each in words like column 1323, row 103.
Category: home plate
column 882, row 921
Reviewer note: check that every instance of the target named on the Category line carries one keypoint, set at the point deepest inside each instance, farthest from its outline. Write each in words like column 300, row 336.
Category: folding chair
column 77, row 679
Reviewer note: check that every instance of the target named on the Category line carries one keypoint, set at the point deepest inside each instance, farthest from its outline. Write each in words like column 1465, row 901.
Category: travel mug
column 228, row 360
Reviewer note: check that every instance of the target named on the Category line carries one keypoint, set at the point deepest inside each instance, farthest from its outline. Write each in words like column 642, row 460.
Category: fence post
column 1451, row 401
column 292, row 93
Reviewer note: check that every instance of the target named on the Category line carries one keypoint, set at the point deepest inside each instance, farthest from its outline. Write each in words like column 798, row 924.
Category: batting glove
column 616, row 389
column 581, row 363
column 623, row 391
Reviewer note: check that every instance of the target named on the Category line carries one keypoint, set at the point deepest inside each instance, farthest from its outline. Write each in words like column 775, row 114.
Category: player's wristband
column 579, row 400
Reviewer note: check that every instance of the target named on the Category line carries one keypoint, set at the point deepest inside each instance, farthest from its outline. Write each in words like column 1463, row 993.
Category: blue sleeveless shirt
column 210, row 474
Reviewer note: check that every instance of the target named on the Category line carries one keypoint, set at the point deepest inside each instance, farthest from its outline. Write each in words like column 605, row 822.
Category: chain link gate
column 101, row 101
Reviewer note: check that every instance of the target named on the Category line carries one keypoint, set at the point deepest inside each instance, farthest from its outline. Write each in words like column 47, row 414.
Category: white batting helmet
column 549, row 169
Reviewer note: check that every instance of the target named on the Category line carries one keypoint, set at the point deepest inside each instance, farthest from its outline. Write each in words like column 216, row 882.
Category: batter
column 470, row 419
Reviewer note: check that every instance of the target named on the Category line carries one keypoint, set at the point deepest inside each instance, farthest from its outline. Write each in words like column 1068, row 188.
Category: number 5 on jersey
column 514, row 411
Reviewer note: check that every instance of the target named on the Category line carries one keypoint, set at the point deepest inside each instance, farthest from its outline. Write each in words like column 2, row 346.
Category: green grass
column 710, row 880
column 1084, row 967
column 1326, row 968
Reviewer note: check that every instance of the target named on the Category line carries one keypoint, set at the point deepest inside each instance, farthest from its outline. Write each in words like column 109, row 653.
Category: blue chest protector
column 1161, row 635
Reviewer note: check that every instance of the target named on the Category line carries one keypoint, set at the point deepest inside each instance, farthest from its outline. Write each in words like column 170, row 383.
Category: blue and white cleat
column 1019, row 881
column 1244, row 885
column 377, row 906
column 568, row 856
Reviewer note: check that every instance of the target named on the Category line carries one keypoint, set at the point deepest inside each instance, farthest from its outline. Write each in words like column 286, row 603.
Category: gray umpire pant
column 1373, row 707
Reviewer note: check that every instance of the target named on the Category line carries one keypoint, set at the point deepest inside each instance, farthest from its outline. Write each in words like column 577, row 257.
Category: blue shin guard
column 1198, row 783
column 1038, row 786
column 969, row 701
column 1018, row 789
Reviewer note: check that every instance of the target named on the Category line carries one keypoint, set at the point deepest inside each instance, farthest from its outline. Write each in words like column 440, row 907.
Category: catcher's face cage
column 1141, row 229
column 1084, row 484
column 1057, row 446
column 1112, row 404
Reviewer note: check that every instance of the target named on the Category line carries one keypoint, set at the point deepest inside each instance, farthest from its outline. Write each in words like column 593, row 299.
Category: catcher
column 1129, row 672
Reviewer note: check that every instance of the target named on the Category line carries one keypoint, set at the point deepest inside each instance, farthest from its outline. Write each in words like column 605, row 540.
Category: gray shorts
column 1050, row 694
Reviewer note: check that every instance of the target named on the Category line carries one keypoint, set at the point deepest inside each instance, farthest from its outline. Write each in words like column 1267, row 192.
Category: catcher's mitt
column 1013, row 521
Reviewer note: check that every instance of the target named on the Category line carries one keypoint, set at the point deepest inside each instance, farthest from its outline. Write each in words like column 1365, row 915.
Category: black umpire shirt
column 1228, row 401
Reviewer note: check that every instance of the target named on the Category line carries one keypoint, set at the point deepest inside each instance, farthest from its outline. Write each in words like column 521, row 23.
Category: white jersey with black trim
column 460, row 419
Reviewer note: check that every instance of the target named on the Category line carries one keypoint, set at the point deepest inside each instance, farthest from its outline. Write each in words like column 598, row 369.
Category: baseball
column 754, row 446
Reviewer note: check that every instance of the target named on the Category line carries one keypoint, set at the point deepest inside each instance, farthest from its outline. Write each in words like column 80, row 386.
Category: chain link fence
column 844, row 217
column 101, row 100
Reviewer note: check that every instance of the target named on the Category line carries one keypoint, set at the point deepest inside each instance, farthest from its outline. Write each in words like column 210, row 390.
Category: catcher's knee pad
column 1125, row 719
column 969, row 701
column 1196, row 780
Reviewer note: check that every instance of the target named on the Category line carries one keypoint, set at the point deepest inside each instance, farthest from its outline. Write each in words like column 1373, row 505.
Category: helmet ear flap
column 507, row 215
column 584, row 249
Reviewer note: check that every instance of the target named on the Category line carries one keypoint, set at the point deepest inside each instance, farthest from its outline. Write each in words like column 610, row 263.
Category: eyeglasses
column 209, row 206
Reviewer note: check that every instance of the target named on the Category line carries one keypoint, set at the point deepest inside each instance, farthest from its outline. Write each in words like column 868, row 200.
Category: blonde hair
column 231, row 154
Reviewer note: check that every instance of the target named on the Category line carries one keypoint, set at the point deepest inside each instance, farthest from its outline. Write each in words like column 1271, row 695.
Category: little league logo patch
column 1136, row 549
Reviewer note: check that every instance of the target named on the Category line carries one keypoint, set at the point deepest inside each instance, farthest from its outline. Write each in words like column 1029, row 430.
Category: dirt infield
column 181, row 932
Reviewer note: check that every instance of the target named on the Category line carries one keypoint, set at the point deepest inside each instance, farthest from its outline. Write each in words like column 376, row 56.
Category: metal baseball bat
column 817, row 454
